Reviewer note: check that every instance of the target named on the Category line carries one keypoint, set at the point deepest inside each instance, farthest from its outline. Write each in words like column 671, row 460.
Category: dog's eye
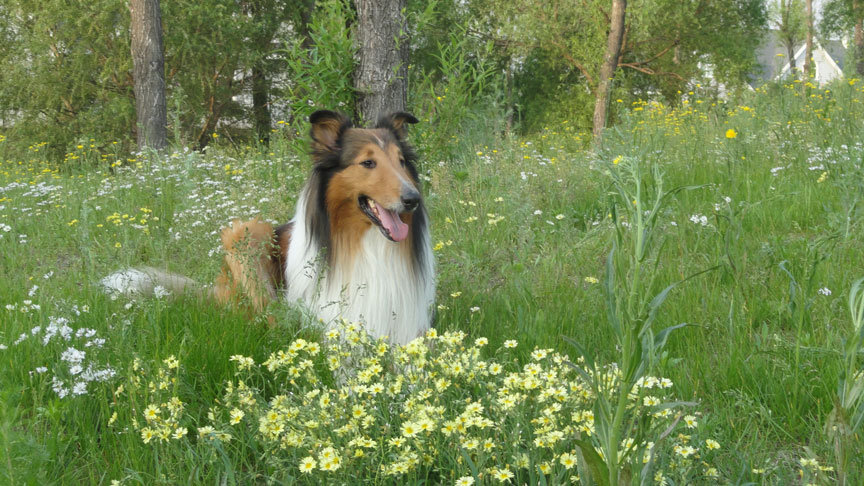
column 402, row 161
column 369, row 164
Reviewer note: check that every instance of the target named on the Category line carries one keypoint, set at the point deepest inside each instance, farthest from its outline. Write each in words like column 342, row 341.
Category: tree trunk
column 511, row 106
column 212, row 121
column 786, row 33
column 859, row 37
column 261, row 43
column 790, row 51
column 808, row 53
column 148, row 73
column 307, row 8
column 380, row 79
column 610, row 63
column 261, row 104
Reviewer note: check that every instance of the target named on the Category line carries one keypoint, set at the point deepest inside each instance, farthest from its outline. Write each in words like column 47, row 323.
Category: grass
column 521, row 231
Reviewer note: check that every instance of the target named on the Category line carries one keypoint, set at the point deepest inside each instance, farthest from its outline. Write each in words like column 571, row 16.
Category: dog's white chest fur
column 380, row 288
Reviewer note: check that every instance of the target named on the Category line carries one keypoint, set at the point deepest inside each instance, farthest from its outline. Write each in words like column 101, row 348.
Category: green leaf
column 654, row 305
column 598, row 468
column 657, row 301
column 542, row 478
column 583, row 351
column 660, row 338
column 856, row 307
column 675, row 404
column 471, row 465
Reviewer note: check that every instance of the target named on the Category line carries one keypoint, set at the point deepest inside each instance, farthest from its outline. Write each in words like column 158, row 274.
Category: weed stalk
column 845, row 421
column 637, row 200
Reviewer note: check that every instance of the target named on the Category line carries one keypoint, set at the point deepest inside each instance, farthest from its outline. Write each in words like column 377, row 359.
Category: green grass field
column 522, row 229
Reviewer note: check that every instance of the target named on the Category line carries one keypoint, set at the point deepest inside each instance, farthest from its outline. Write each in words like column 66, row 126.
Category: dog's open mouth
column 388, row 221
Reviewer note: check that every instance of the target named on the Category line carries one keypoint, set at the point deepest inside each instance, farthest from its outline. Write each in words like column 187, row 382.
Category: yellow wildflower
column 307, row 465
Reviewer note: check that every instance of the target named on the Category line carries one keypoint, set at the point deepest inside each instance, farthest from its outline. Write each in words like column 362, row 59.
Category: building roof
column 837, row 51
column 773, row 59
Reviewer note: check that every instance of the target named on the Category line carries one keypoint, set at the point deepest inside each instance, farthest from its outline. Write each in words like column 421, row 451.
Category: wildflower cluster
column 812, row 472
column 77, row 349
column 155, row 411
column 137, row 221
column 439, row 407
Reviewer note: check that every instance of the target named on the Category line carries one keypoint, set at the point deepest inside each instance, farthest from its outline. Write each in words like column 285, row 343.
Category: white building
column 773, row 60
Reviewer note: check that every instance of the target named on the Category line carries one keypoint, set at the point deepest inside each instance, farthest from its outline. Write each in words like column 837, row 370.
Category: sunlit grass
column 521, row 231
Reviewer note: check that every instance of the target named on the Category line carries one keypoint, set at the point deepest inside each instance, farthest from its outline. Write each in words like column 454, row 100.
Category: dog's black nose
column 410, row 200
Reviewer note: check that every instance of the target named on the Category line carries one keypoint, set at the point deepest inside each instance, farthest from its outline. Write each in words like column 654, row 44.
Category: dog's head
column 367, row 175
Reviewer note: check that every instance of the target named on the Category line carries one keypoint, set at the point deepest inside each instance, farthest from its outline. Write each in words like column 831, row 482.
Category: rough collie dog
column 357, row 248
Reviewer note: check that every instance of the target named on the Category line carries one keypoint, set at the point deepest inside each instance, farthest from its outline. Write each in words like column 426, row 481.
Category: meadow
column 741, row 220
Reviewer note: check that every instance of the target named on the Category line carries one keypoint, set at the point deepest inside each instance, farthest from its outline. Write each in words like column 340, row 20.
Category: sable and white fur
column 388, row 292
column 357, row 248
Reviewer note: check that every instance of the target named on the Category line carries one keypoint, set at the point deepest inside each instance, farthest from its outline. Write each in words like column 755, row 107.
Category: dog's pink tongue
column 391, row 221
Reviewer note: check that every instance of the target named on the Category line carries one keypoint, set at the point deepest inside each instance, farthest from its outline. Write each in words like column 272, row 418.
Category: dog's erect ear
column 395, row 122
column 327, row 127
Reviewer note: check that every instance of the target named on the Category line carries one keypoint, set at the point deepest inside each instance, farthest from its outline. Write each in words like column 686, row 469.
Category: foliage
column 845, row 18
column 69, row 70
column 838, row 17
column 524, row 64
column 666, row 46
column 788, row 18
column 66, row 71
column 543, row 100
column 458, row 97
column 320, row 75
column 210, row 46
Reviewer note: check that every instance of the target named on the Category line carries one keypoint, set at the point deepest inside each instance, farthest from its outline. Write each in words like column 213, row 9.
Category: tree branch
column 599, row 9
column 655, row 57
column 650, row 71
column 623, row 44
column 566, row 55
column 505, row 43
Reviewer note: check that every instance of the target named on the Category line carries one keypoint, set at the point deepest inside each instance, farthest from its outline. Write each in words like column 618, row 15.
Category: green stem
column 618, row 419
column 800, row 325
column 638, row 253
